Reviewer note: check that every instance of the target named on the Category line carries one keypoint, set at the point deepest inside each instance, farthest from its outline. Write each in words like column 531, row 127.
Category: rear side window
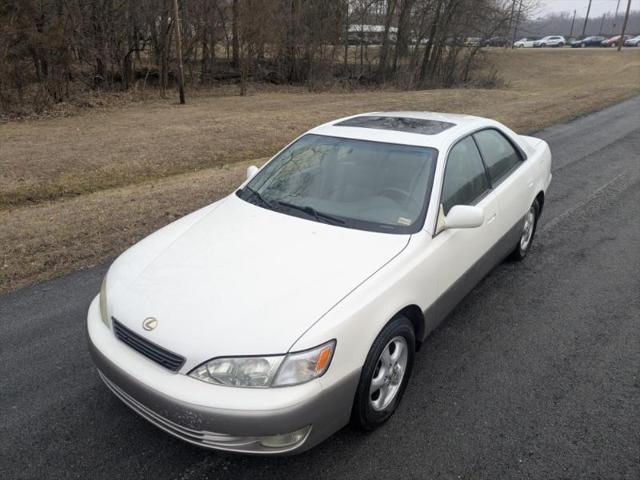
column 465, row 179
column 499, row 155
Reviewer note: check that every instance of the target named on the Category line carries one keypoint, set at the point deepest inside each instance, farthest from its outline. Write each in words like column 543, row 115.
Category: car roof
column 430, row 129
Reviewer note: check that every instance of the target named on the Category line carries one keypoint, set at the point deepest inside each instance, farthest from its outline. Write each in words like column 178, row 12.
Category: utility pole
column 586, row 19
column 513, row 12
column 615, row 19
column 515, row 30
column 604, row 15
column 624, row 26
column 573, row 21
column 179, row 52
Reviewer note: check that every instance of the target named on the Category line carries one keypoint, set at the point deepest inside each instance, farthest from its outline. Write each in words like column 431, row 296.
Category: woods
column 53, row 49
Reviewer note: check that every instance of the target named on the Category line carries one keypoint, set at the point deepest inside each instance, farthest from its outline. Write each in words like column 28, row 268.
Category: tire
column 528, row 232
column 582, row 45
column 372, row 407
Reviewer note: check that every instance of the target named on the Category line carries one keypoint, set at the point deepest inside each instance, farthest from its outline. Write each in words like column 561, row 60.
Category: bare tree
column 179, row 51
column 51, row 48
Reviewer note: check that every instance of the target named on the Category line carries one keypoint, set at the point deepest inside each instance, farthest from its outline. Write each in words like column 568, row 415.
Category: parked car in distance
column 614, row 41
column 588, row 42
column 525, row 42
column 473, row 41
column 497, row 42
column 550, row 41
column 268, row 320
column 455, row 41
column 632, row 42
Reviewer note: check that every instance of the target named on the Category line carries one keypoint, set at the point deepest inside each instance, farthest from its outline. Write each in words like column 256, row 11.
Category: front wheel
column 527, row 233
column 385, row 374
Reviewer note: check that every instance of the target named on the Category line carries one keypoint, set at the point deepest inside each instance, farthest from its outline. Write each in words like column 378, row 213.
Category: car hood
column 238, row 279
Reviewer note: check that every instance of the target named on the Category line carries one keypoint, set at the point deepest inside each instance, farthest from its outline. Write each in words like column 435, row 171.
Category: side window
column 499, row 155
column 464, row 178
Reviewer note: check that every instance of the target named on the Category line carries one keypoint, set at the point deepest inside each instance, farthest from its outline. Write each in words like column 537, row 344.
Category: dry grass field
column 75, row 191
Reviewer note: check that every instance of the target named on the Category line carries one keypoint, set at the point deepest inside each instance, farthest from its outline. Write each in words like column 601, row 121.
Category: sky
column 598, row 7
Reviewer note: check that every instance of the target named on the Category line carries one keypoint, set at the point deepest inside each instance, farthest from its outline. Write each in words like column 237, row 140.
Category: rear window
column 499, row 155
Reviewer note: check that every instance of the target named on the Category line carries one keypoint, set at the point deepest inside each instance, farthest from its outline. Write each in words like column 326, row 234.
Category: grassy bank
column 75, row 191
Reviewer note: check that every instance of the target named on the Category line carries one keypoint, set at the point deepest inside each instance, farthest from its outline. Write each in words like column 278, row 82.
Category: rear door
column 512, row 179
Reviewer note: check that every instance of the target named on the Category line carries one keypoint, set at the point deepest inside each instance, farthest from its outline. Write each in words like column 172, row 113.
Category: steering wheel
column 399, row 196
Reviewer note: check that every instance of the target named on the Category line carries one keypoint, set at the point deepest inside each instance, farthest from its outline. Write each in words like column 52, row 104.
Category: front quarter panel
column 356, row 321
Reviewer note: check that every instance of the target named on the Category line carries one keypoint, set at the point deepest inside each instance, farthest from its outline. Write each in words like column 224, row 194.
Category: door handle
column 491, row 218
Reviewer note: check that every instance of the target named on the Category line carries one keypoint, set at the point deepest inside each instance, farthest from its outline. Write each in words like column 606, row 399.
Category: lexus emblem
column 149, row 323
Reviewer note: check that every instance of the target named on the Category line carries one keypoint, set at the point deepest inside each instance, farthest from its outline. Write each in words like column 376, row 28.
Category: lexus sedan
column 268, row 320
column 550, row 41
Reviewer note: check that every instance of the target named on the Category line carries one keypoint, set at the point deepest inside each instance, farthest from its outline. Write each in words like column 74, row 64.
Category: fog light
column 284, row 440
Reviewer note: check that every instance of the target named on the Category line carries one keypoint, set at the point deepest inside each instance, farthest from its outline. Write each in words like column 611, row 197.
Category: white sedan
column 525, row 43
column 268, row 320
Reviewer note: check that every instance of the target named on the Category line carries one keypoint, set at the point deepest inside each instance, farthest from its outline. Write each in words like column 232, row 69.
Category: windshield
column 352, row 183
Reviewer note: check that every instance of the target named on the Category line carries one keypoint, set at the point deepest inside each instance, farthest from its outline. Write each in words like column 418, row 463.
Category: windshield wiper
column 319, row 216
column 257, row 195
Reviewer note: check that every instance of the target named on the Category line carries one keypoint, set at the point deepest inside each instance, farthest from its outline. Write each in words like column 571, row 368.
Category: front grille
column 149, row 349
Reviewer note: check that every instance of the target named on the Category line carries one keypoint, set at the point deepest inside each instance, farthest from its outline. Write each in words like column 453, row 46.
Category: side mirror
column 251, row 172
column 464, row 216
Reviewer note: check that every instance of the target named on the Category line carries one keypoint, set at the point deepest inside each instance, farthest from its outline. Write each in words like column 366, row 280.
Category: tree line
column 51, row 49
column 565, row 24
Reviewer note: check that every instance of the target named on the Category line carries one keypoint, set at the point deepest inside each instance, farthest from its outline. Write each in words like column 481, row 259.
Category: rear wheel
column 528, row 231
column 385, row 374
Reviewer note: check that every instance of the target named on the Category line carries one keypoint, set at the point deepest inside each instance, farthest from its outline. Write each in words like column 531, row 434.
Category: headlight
column 301, row 367
column 261, row 372
column 238, row 372
column 103, row 303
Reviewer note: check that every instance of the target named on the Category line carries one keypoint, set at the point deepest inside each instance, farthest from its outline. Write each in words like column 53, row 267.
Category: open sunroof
column 400, row 124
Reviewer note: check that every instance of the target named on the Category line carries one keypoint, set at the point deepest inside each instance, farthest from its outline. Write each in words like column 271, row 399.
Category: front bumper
column 225, row 420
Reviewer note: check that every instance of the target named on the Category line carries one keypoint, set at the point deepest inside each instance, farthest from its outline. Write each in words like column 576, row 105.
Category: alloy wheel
column 527, row 231
column 389, row 373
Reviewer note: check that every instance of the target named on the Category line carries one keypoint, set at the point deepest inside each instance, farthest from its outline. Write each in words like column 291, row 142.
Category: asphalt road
column 535, row 375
